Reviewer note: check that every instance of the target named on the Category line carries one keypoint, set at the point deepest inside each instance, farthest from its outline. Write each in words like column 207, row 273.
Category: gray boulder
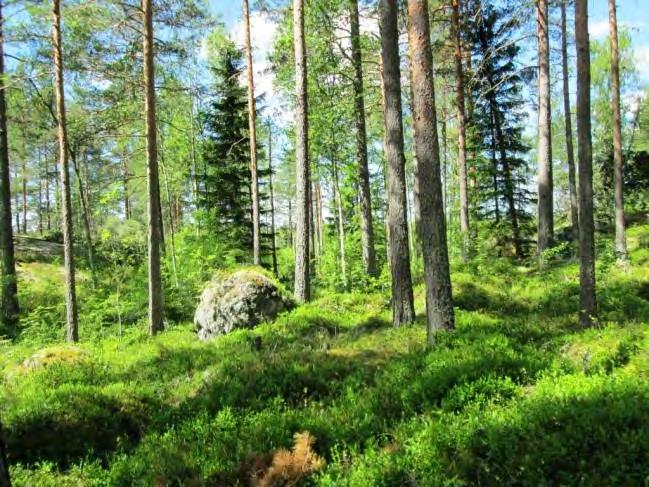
column 242, row 299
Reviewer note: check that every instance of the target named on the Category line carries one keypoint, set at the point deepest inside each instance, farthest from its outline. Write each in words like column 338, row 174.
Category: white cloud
column 641, row 57
column 600, row 28
column 263, row 31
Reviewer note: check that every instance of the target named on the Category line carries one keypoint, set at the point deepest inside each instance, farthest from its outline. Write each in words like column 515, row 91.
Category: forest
column 324, row 242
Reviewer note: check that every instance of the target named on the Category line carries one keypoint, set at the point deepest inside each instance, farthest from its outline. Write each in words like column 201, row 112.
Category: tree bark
column 85, row 212
column 4, row 464
column 23, row 174
column 72, row 319
column 156, row 318
column 403, row 309
column 570, row 153
column 587, row 294
column 620, row 224
column 341, row 224
column 273, row 237
column 252, row 130
column 545, row 233
column 302, row 178
column 439, row 300
column 364, row 192
column 9, row 289
column 461, row 136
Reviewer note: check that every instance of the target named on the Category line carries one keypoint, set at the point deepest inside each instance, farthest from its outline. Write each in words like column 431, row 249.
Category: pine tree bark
column 4, row 464
column 439, row 301
column 252, row 131
column 72, row 318
column 156, row 323
column 364, row 192
column 302, row 177
column 570, row 153
column 273, row 235
column 620, row 224
column 9, row 289
column 545, row 231
column 587, row 294
column 403, row 309
column 461, row 136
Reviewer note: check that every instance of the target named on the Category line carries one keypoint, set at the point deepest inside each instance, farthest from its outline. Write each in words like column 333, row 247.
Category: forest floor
column 518, row 394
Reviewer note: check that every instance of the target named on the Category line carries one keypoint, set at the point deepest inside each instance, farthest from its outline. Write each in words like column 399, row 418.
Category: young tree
column 403, row 311
column 252, row 127
column 461, row 130
column 9, row 290
column 4, row 464
column 620, row 231
column 364, row 194
column 156, row 318
column 570, row 153
column 302, row 176
column 587, row 296
column 439, row 301
column 72, row 326
column 544, row 149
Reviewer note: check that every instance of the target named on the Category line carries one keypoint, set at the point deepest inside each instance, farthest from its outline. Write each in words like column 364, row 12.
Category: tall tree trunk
column 439, row 300
column 461, row 132
column 72, row 320
column 403, row 309
column 4, row 464
column 570, row 153
column 23, row 174
column 252, row 128
column 364, row 192
column 545, row 234
column 127, row 194
column 9, row 289
column 587, row 294
column 302, row 183
column 341, row 223
column 47, row 194
column 273, row 236
column 620, row 224
column 85, row 213
column 156, row 318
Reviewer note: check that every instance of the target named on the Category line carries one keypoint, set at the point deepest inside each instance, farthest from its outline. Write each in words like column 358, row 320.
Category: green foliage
column 517, row 394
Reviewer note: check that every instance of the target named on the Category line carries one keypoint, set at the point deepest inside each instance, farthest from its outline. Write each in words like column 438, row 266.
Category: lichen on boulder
column 242, row 299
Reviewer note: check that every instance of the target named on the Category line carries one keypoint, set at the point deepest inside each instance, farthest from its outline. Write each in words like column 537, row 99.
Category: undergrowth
column 518, row 394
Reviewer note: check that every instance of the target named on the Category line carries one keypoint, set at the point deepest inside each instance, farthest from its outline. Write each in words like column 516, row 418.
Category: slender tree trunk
column 570, row 153
column 318, row 207
column 9, row 290
column 439, row 300
column 587, row 295
column 47, row 194
column 341, row 223
column 4, row 463
column 72, row 320
column 252, row 128
column 403, row 309
column 85, row 213
column 620, row 224
column 302, row 178
column 23, row 174
column 172, row 228
column 156, row 317
column 127, row 194
column 364, row 192
column 273, row 236
column 17, row 204
column 290, row 223
column 461, row 132
column 545, row 234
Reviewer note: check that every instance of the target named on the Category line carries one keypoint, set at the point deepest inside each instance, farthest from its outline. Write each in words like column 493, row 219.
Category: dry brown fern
column 290, row 467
